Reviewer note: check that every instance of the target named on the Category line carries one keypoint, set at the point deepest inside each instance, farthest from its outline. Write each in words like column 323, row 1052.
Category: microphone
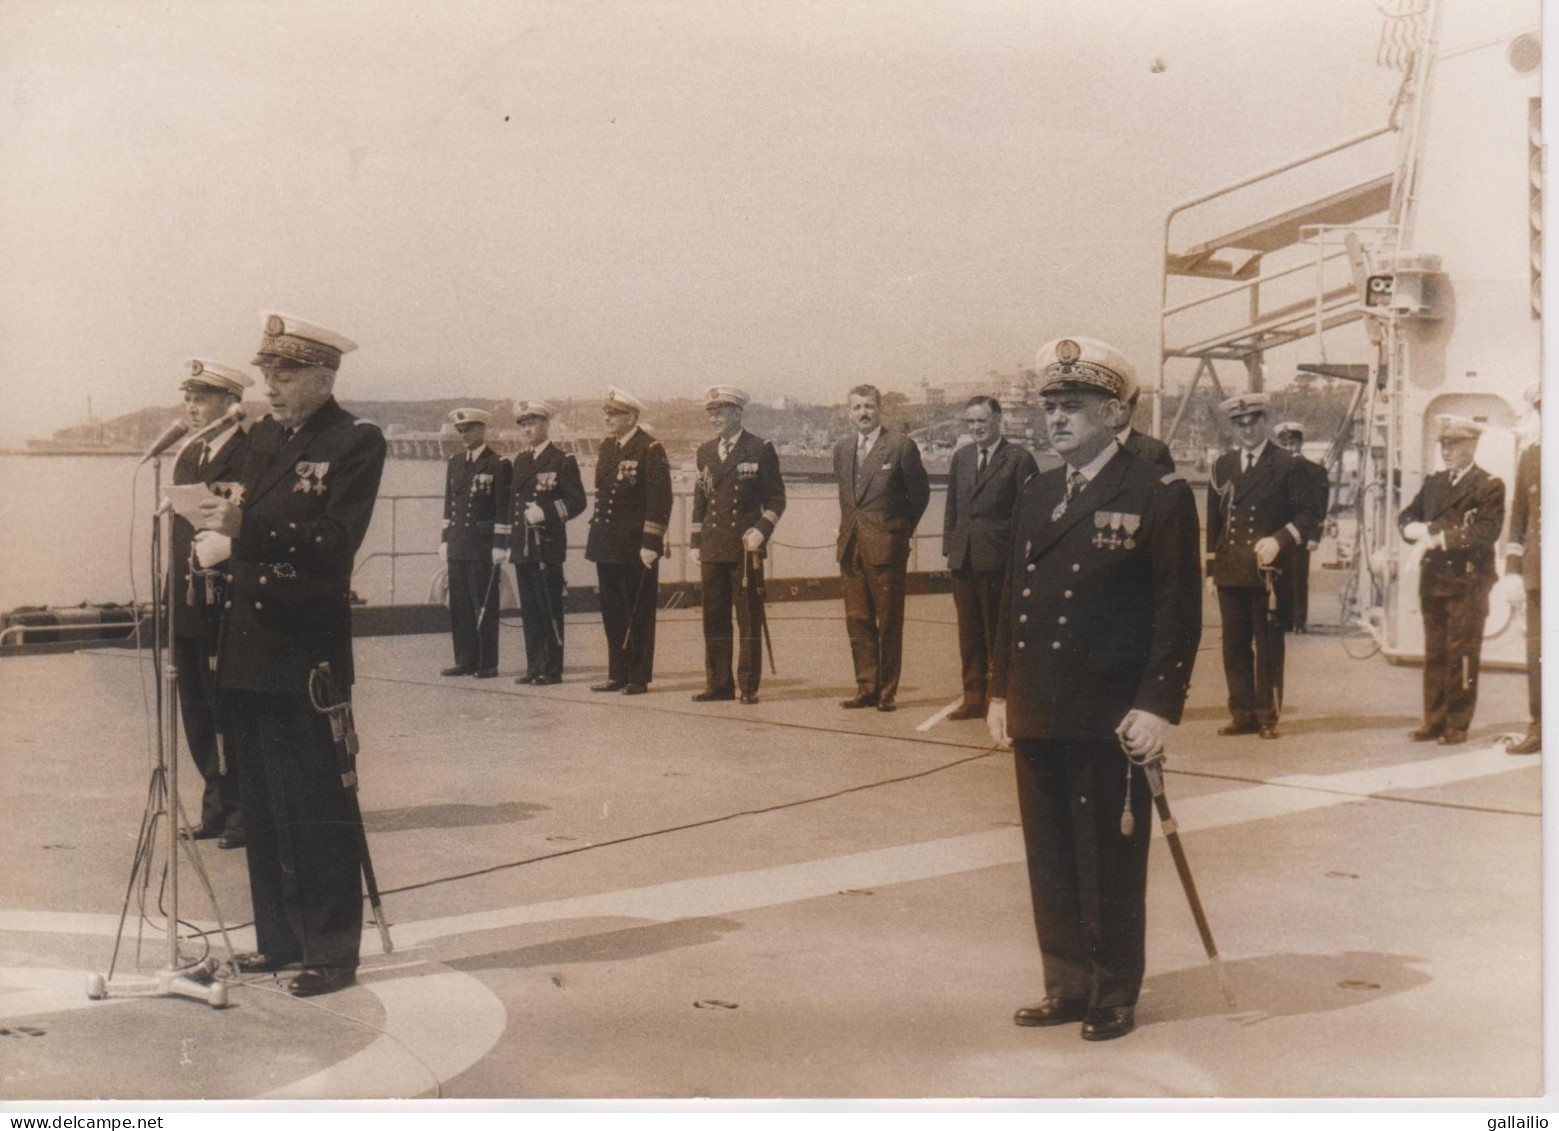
column 233, row 415
column 169, row 437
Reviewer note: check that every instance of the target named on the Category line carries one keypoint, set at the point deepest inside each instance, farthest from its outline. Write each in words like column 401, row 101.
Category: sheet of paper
column 186, row 500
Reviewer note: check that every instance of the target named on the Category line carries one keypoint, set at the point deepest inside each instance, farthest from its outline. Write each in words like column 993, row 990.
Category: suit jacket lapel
column 723, row 466
column 867, row 471
column 1247, row 481
column 1104, row 487
column 1449, row 495
column 997, row 456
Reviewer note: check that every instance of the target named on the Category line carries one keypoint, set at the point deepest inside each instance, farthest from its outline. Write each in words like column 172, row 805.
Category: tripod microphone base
column 197, row 982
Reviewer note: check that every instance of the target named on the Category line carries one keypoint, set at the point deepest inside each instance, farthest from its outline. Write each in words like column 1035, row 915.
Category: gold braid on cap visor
column 1084, row 373
column 299, row 350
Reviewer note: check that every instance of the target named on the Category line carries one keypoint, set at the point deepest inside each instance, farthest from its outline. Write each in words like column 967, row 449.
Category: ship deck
column 601, row 896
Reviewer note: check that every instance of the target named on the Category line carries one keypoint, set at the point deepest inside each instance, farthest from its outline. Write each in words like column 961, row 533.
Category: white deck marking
column 939, row 716
column 447, row 1019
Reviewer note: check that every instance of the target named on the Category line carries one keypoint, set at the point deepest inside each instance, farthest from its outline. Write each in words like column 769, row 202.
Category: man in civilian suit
column 197, row 595
column 883, row 491
column 474, row 543
column 737, row 500
column 1098, row 633
column 982, row 485
column 1523, row 582
column 547, row 493
column 1454, row 522
column 627, row 539
column 1140, row 444
column 1259, row 509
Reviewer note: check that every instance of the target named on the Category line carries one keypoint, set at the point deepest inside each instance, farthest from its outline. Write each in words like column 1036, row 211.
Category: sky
column 539, row 199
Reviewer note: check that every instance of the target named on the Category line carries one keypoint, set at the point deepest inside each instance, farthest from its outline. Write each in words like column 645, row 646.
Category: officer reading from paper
column 738, row 498
column 1453, row 523
column 474, row 543
column 210, row 391
column 310, row 481
column 547, row 493
column 1099, row 626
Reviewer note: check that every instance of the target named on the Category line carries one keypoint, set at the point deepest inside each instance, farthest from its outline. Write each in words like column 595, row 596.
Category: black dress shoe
column 208, row 831
column 1109, row 1023
column 1531, row 744
column 966, row 711
column 232, row 838
column 487, row 673
column 609, row 685
column 1452, row 737
column 1425, row 733
column 456, row 670
column 887, row 705
column 525, row 679
column 262, row 963
column 1268, row 730
column 547, row 680
column 713, row 696
column 1238, row 728
column 856, row 702
column 635, row 689
column 1052, row 1011
column 316, row 980
column 749, row 698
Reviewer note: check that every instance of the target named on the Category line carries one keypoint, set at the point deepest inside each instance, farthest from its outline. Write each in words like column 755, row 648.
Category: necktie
column 725, row 450
column 980, row 469
column 1249, row 460
column 1074, row 483
column 205, row 454
column 860, row 451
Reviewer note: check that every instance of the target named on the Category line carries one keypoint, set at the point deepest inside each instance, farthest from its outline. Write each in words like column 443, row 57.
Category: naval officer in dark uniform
column 883, row 491
column 982, row 485
column 627, row 540
column 1291, row 436
column 1454, row 522
column 547, row 494
column 1101, row 617
column 1260, row 506
column 1523, row 581
column 738, row 498
column 474, row 543
column 1142, row 445
column 310, row 481
column 210, row 391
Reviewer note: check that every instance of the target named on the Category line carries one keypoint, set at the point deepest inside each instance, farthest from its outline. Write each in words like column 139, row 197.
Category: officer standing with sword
column 1097, row 635
column 737, row 500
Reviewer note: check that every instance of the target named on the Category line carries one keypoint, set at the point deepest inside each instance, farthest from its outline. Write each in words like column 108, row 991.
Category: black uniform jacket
column 880, row 503
column 551, row 481
column 476, row 506
column 1102, row 609
column 1470, row 515
column 1273, row 499
column 307, row 503
column 743, row 493
column 632, row 500
column 1150, row 448
column 977, row 524
column 1524, row 551
column 1320, row 484
column 221, row 474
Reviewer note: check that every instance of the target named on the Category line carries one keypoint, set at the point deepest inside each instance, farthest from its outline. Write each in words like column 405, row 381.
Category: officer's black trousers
column 1252, row 653
column 1088, row 882
column 874, row 621
column 722, row 588
column 470, row 584
column 1453, row 645
column 305, row 873
column 1299, row 575
column 541, row 609
column 977, row 597
column 204, row 728
column 1535, row 657
column 629, row 594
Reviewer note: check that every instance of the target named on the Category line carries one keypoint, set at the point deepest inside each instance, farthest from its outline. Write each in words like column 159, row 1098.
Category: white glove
column 1212, row 585
column 212, row 548
column 694, row 556
column 443, row 551
column 649, row 558
column 1415, row 531
column 753, row 540
column 996, row 722
column 1267, row 550
column 534, row 515
column 1143, row 732
column 500, row 555
column 1513, row 588
column 1312, row 546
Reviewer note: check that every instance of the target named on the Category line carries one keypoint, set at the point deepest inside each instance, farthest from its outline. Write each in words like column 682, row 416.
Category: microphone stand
column 176, row 978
